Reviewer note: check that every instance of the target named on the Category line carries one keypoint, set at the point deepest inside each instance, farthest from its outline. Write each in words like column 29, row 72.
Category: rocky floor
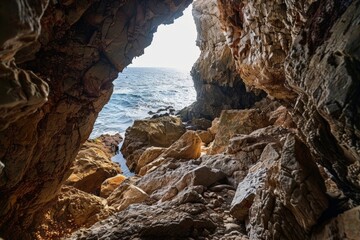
column 248, row 176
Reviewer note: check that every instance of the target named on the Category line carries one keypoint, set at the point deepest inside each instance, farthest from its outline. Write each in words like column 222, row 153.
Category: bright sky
column 173, row 45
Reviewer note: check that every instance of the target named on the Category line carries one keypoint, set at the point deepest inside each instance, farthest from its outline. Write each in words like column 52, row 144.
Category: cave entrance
column 155, row 83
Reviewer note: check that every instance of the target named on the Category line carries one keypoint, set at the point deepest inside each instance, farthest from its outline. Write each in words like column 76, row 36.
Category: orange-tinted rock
column 60, row 82
column 149, row 155
column 234, row 122
column 91, row 167
column 205, row 136
column 125, row 195
column 187, row 147
column 70, row 210
column 110, row 184
column 158, row 132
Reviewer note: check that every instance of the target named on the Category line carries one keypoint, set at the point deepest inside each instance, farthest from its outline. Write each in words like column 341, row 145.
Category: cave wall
column 217, row 83
column 58, row 61
column 305, row 53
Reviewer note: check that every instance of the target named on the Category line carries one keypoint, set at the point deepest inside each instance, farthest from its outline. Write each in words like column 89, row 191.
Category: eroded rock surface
column 304, row 53
column 93, row 164
column 158, row 132
column 54, row 88
column 217, row 84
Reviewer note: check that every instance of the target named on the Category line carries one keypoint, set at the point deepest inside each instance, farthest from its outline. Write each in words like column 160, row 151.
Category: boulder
column 159, row 132
column 110, row 184
column 187, row 147
column 110, row 142
column 233, row 122
column 149, row 155
column 286, row 189
column 125, row 195
column 164, row 221
column 91, row 167
column 69, row 211
column 168, row 180
column 205, row 136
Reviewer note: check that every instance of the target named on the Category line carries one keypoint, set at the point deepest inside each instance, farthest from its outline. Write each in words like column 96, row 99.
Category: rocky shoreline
column 203, row 184
column 272, row 151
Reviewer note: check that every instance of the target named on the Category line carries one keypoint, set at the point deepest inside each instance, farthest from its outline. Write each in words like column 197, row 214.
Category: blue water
column 138, row 91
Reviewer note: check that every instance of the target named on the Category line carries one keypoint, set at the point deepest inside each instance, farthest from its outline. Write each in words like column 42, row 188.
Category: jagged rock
column 82, row 47
column 188, row 146
column 260, row 39
column 217, row 84
column 169, row 179
column 159, row 132
column 243, row 152
column 92, row 166
column 149, row 155
column 291, row 198
column 70, row 210
column 153, row 222
column 344, row 226
column 323, row 70
column 110, row 184
column 214, row 126
column 125, row 195
column 233, row 122
column 205, row 136
column 110, row 142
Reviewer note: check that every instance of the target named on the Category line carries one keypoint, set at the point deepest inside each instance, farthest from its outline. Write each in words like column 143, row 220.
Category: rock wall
column 53, row 85
column 304, row 53
column 217, row 84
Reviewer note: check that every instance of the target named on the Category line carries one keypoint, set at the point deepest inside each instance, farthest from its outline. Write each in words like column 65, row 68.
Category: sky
column 173, row 45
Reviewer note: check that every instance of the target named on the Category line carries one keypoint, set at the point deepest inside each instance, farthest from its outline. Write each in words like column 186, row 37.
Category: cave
column 277, row 88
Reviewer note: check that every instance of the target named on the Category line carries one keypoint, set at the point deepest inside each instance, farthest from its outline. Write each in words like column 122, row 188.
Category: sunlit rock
column 110, row 184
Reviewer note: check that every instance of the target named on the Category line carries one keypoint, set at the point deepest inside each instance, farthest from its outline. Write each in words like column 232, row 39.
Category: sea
column 139, row 92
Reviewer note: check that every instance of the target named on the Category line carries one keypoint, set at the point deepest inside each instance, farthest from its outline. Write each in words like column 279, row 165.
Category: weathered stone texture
column 217, row 84
column 47, row 115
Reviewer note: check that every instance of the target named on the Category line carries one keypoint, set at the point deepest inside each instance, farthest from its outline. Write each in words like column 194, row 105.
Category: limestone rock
column 169, row 179
column 188, row 146
column 343, row 226
column 125, row 195
column 71, row 210
column 205, row 136
column 260, row 39
column 110, row 184
column 233, row 122
column 70, row 65
column 110, row 142
column 244, row 151
column 326, row 78
column 159, row 132
column 153, row 222
column 149, row 155
column 217, row 84
column 290, row 194
column 91, row 167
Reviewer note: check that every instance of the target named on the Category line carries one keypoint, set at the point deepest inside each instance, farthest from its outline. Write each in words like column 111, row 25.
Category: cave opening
column 157, row 80
column 155, row 84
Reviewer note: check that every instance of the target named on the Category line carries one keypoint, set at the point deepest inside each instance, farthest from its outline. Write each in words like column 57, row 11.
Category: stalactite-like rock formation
column 53, row 85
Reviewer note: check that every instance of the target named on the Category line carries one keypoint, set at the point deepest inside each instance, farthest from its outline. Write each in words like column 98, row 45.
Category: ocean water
column 138, row 91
